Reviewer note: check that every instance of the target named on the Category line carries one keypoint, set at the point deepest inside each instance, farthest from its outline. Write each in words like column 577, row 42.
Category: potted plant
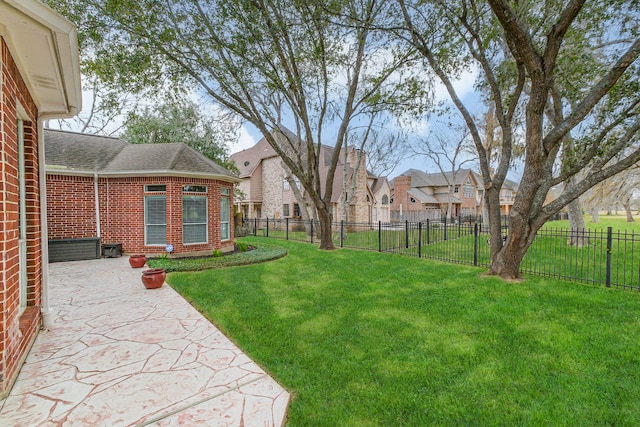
column 153, row 278
column 137, row 260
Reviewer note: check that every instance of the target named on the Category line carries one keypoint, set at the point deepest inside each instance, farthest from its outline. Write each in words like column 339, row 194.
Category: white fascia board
column 29, row 26
column 153, row 174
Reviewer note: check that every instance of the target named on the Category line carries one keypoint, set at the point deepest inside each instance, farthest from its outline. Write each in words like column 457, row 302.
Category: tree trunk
column 577, row 225
column 627, row 209
column 595, row 212
column 326, row 241
column 506, row 262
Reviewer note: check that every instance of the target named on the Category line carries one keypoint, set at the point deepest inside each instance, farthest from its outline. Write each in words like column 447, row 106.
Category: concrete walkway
column 121, row 355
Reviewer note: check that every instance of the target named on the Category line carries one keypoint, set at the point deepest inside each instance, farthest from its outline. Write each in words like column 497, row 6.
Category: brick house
column 381, row 190
column 142, row 196
column 418, row 195
column 39, row 80
column 269, row 194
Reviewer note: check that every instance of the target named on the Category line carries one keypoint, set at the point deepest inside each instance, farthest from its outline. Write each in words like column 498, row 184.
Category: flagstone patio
column 121, row 355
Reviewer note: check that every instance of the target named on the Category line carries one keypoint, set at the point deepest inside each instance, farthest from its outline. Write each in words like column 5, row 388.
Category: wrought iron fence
column 602, row 257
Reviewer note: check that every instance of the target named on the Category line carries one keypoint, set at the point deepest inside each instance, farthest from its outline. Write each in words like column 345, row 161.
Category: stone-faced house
column 269, row 194
column 140, row 196
column 381, row 190
column 418, row 195
column 39, row 80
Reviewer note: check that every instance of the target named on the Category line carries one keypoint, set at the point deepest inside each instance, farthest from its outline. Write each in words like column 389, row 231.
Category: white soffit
column 45, row 48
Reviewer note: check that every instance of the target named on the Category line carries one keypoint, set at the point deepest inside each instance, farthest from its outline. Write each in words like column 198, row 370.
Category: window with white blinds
column 194, row 219
column 155, row 220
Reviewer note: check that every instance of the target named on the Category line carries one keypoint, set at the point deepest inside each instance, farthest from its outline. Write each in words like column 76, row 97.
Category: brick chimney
column 401, row 185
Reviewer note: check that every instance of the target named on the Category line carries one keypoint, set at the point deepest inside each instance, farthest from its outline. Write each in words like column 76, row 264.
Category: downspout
column 96, row 195
column 45, row 308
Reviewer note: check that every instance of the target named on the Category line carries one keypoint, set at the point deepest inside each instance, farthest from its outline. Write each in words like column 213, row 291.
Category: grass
column 549, row 255
column 618, row 222
column 371, row 339
column 263, row 252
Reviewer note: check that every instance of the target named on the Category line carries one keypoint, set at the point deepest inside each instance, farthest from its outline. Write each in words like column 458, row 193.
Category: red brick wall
column 17, row 332
column 401, row 185
column 80, row 190
column 122, row 211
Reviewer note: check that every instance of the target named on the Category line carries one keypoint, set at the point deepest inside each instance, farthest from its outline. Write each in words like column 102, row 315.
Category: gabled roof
column 247, row 160
column 422, row 197
column 418, row 178
column 71, row 153
column 444, row 179
column 378, row 182
column 44, row 46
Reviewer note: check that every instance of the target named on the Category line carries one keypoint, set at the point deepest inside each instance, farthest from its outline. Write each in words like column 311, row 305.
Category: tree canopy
column 183, row 121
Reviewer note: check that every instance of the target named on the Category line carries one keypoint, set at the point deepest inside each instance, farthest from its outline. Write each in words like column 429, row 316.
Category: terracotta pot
column 138, row 260
column 153, row 278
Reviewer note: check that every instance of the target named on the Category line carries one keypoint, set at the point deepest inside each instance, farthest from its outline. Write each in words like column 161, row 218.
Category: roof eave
column 30, row 29
column 153, row 174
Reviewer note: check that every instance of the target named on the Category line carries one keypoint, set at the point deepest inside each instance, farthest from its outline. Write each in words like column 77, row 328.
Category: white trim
column 22, row 18
column 45, row 309
column 52, row 170
column 97, row 203
column 22, row 215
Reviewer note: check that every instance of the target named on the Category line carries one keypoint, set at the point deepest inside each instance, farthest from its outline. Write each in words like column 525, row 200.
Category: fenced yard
column 362, row 338
column 609, row 257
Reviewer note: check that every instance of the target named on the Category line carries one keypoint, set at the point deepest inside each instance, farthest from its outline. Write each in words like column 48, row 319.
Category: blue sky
column 464, row 86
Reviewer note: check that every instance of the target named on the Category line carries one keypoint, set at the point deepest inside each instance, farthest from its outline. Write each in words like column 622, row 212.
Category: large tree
column 314, row 67
column 184, row 121
column 519, row 50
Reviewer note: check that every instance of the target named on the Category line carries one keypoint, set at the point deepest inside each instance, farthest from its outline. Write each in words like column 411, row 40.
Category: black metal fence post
column 420, row 240
column 311, row 221
column 445, row 228
column 609, row 247
column 342, row 233
column 406, row 234
column 267, row 228
column 379, row 236
column 475, row 244
column 428, row 239
column 255, row 226
column 286, row 224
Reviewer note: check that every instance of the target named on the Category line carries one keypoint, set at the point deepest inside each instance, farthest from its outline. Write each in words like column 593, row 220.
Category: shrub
column 242, row 246
column 217, row 253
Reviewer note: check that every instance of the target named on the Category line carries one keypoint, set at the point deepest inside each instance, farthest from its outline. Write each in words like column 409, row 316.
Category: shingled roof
column 72, row 153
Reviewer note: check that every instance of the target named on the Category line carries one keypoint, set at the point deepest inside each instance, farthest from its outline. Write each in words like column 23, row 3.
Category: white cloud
column 245, row 140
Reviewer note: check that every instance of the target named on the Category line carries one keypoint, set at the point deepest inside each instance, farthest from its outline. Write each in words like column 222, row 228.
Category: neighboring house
column 418, row 196
column 39, row 80
column 507, row 196
column 142, row 196
column 268, row 193
column 381, row 190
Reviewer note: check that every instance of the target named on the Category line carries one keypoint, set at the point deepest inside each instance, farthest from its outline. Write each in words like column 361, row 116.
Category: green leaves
column 183, row 121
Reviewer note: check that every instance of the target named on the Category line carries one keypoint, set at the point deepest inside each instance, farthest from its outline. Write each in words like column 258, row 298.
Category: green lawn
column 618, row 222
column 370, row 339
column 549, row 255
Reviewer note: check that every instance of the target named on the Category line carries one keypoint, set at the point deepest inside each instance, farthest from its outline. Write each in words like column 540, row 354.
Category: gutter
column 45, row 308
column 97, row 196
column 53, row 170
